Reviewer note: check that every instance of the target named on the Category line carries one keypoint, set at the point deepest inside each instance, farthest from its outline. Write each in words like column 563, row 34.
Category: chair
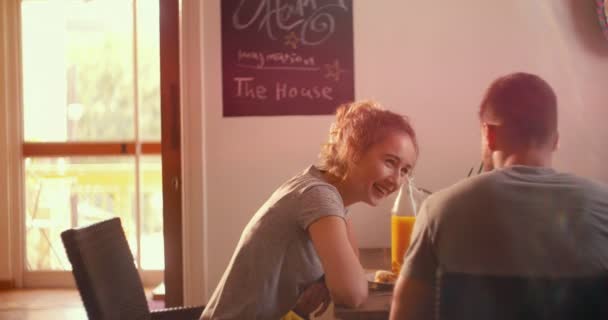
column 106, row 276
column 471, row 297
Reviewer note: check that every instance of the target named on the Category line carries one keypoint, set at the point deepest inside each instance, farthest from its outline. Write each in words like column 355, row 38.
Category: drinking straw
column 470, row 171
column 411, row 194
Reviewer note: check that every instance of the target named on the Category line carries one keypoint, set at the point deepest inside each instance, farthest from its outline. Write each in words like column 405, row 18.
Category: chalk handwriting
column 284, row 91
column 314, row 23
column 247, row 88
column 275, row 60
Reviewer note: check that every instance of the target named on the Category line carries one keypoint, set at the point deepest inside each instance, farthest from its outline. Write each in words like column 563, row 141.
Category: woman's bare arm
column 344, row 275
column 351, row 236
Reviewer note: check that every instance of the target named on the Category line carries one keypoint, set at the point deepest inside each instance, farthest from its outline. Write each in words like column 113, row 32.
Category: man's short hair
column 525, row 105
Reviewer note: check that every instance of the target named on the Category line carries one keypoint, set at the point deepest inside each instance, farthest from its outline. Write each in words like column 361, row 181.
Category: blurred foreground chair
column 472, row 297
column 107, row 278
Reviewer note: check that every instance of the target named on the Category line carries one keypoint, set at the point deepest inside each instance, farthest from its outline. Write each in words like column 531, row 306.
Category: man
column 520, row 217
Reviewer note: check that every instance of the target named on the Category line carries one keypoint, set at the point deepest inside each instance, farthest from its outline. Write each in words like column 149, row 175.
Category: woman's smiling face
column 381, row 169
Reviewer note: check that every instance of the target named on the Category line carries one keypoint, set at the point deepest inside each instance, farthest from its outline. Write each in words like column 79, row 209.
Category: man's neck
column 530, row 158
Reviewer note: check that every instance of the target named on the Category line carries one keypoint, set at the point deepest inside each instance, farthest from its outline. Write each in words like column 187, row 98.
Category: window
column 91, row 125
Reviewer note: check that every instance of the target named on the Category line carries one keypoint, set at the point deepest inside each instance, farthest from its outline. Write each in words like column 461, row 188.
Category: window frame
column 11, row 199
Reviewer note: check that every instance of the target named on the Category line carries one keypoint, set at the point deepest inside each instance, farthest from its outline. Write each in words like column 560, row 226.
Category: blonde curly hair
column 357, row 127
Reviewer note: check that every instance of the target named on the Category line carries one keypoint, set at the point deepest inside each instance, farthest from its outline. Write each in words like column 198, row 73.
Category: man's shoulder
column 592, row 183
column 493, row 186
column 468, row 187
column 585, row 184
column 591, row 187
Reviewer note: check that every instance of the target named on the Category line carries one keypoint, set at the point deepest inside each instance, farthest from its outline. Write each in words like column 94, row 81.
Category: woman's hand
column 314, row 296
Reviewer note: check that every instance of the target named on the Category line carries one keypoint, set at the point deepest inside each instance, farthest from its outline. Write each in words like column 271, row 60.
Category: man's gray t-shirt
column 275, row 259
column 518, row 220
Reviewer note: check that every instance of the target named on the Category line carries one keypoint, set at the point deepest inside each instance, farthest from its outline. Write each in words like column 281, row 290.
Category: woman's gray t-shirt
column 275, row 259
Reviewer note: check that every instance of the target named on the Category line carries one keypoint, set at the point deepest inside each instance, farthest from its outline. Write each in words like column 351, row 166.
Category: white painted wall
column 427, row 59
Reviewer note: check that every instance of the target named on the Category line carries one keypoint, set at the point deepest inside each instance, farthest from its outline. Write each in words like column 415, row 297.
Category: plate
column 374, row 285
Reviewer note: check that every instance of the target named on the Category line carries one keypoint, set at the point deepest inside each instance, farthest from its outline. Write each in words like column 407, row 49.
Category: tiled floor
column 48, row 304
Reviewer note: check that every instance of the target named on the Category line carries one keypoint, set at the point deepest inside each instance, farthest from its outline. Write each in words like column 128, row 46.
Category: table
column 377, row 306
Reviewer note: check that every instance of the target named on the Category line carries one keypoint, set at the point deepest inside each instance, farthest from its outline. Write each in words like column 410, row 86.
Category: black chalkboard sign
column 286, row 57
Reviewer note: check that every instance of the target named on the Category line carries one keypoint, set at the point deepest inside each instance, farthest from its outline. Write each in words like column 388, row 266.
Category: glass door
column 91, row 129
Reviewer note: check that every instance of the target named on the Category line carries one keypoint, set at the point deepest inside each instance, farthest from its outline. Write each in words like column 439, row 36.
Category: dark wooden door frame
column 171, row 150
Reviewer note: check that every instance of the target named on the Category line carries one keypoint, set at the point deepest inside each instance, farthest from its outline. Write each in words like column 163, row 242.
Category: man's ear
column 489, row 135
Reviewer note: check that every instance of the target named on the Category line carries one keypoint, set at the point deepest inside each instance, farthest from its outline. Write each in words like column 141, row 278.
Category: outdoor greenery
column 101, row 80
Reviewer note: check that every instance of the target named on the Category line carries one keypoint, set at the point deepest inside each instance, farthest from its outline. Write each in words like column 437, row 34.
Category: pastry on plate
column 385, row 276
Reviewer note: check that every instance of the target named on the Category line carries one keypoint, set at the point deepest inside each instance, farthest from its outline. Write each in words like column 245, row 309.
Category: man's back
column 519, row 220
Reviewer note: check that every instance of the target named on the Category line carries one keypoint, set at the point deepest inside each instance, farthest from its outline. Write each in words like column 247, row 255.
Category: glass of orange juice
column 403, row 217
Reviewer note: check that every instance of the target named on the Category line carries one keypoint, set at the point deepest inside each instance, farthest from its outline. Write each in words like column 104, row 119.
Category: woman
column 299, row 250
